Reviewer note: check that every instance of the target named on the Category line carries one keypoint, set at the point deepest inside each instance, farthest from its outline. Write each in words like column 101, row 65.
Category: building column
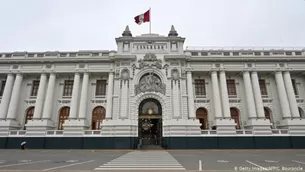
column 216, row 97
column 224, row 95
column 47, row 110
column 291, row 95
column 83, row 98
column 109, row 96
column 6, row 97
column 191, row 105
column 249, row 95
column 12, row 110
column 282, row 95
column 257, row 96
column 74, row 101
column 40, row 96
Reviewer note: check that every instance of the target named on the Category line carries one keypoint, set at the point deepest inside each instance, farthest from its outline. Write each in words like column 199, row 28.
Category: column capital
column 189, row 70
column 213, row 70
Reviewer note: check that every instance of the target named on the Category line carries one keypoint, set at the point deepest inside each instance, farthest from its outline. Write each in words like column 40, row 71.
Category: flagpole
column 149, row 20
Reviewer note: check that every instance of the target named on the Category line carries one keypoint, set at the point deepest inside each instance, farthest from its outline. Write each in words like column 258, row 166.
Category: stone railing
column 274, row 132
column 98, row 133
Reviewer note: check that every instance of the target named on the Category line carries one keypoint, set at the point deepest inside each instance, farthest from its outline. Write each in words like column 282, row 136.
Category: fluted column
column 6, row 97
column 175, row 99
column 291, row 95
column 224, row 95
column 249, row 95
column 83, row 97
column 257, row 96
column 124, row 98
column 74, row 101
column 47, row 110
column 216, row 97
column 109, row 96
column 12, row 110
column 282, row 95
column 40, row 96
column 191, row 105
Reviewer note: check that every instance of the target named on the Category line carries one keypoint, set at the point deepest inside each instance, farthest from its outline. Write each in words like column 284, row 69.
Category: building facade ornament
column 150, row 60
column 125, row 74
column 150, row 83
column 175, row 74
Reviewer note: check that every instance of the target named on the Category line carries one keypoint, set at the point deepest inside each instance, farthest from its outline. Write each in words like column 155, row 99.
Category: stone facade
column 184, row 81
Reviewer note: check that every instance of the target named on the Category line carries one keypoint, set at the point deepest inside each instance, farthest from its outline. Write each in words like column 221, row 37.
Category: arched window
column 98, row 115
column 29, row 115
column 202, row 116
column 301, row 112
column 63, row 116
column 235, row 116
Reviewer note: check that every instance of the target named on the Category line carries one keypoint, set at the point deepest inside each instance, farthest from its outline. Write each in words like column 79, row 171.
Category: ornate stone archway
column 158, row 96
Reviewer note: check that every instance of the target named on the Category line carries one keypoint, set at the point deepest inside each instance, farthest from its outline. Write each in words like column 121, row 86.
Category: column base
column 259, row 126
column 120, row 127
column 181, row 127
column 224, row 126
column 9, row 124
column 295, row 126
column 39, row 125
column 75, row 126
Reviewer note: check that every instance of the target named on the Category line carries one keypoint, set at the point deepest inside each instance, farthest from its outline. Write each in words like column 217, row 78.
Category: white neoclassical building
column 151, row 91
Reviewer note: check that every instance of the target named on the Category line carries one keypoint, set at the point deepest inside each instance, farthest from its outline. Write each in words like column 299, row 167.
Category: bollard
column 200, row 165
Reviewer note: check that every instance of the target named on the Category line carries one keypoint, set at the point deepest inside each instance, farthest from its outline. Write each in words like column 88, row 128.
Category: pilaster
column 190, row 93
column 109, row 95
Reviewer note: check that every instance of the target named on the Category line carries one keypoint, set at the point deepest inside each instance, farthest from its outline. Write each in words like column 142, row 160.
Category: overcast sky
column 49, row 25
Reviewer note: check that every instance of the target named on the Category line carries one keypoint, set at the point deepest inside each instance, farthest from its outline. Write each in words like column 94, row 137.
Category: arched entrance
column 202, row 116
column 29, row 115
column 150, row 122
column 63, row 116
column 235, row 115
column 98, row 115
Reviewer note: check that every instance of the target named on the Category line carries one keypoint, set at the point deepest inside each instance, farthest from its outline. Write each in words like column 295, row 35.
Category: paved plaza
column 129, row 160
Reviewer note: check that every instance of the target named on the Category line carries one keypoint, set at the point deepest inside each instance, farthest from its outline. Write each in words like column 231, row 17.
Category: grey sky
column 49, row 25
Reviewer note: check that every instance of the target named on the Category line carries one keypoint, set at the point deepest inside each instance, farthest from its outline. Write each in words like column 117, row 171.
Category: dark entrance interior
column 150, row 123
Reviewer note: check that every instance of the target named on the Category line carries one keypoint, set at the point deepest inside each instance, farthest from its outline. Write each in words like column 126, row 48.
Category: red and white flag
column 142, row 18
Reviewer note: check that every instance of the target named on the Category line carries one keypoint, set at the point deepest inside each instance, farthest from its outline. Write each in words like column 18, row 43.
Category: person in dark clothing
column 23, row 144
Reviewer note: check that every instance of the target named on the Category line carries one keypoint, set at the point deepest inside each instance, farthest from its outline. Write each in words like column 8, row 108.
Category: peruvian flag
column 142, row 18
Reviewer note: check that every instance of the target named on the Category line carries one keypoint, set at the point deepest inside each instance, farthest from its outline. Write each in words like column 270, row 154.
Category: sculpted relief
column 150, row 60
column 150, row 83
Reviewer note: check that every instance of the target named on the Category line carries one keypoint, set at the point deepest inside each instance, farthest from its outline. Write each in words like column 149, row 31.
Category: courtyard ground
column 165, row 160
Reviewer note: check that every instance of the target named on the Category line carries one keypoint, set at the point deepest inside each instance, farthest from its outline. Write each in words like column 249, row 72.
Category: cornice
column 53, row 60
column 244, row 59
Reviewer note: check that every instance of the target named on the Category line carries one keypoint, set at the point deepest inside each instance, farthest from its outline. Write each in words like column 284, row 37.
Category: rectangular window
column 231, row 87
column 35, row 88
column 2, row 88
column 295, row 88
column 68, row 87
column 100, row 88
column 262, row 86
column 200, row 87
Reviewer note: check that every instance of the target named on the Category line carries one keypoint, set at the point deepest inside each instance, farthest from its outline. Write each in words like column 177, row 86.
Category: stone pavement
column 129, row 160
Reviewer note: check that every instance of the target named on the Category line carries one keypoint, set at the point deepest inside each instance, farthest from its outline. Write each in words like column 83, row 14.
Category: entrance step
column 151, row 147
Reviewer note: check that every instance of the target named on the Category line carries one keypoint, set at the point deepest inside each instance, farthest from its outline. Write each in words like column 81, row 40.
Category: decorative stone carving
column 150, row 60
column 175, row 74
column 150, row 83
column 125, row 74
